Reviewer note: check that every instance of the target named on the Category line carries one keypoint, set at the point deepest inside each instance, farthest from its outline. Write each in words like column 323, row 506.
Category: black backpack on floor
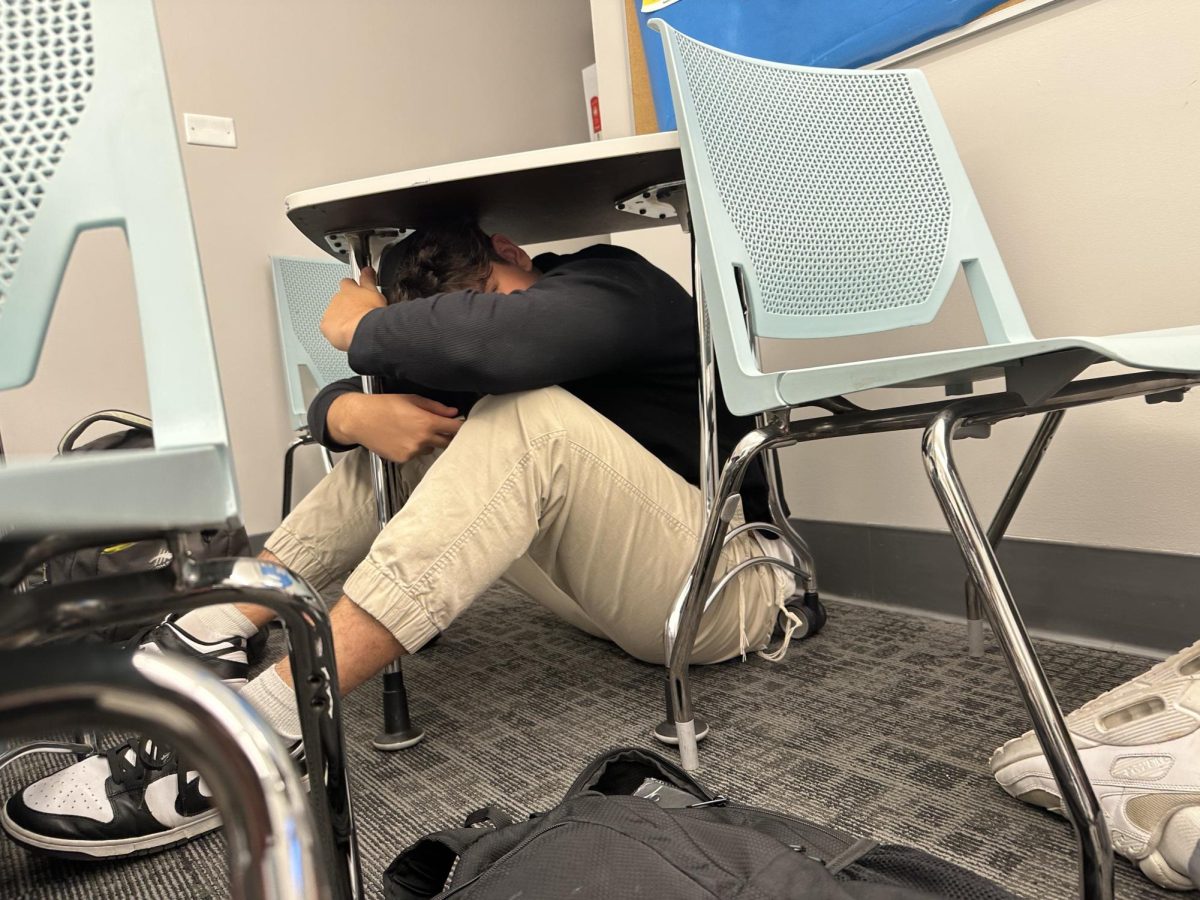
column 134, row 556
column 635, row 825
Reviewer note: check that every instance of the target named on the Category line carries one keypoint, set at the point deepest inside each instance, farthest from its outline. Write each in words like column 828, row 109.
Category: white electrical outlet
column 209, row 131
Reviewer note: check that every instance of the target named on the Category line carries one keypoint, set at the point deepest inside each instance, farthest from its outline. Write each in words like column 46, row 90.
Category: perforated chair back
column 87, row 140
column 302, row 291
column 829, row 202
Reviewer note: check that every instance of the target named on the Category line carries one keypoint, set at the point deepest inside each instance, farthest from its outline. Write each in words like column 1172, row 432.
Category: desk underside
column 545, row 203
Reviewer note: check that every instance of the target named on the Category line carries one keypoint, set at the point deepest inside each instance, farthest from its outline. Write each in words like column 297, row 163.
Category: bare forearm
column 395, row 426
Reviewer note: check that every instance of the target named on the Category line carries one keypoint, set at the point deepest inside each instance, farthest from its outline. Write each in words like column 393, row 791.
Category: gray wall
column 320, row 93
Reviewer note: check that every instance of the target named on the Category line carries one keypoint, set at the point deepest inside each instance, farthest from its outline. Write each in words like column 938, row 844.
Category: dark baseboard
column 1096, row 594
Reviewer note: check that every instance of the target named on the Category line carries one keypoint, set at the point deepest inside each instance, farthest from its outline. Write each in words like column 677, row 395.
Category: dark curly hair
column 452, row 257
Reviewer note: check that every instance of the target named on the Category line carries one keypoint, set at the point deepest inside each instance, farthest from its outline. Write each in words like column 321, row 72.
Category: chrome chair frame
column 941, row 422
column 303, row 439
column 1003, row 516
column 269, row 832
column 791, row 251
column 83, row 742
column 27, row 619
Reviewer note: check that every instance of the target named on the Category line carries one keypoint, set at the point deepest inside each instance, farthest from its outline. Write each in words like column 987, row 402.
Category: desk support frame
column 398, row 730
column 803, row 563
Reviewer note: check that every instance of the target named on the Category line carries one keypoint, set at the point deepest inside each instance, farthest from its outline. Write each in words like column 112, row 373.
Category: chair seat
column 1166, row 350
column 185, row 489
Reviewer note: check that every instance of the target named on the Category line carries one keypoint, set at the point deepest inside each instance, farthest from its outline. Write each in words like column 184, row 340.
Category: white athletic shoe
column 1140, row 747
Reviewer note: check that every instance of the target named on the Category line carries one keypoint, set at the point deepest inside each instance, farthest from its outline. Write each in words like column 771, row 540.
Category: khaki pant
column 539, row 489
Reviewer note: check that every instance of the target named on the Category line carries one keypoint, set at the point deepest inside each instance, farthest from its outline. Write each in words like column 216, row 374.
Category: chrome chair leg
column 708, row 553
column 269, row 832
column 75, row 607
column 79, row 748
column 666, row 731
column 1079, row 800
column 805, row 569
column 314, row 673
column 974, row 620
column 1003, row 518
column 303, row 439
column 89, row 739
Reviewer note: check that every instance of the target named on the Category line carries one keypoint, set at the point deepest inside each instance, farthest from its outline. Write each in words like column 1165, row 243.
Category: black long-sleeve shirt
column 603, row 323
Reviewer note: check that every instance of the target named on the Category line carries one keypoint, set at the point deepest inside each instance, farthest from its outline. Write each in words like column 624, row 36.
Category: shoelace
column 131, row 774
column 147, row 756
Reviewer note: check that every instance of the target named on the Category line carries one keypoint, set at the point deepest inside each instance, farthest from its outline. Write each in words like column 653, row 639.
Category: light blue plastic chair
column 831, row 203
column 302, row 291
column 87, row 140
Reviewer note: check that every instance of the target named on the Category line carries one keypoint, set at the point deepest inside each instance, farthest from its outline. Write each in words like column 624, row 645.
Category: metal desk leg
column 398, row 729
column 666, row 731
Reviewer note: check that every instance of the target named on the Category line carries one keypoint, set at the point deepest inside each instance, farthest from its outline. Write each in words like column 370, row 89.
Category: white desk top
column 539, row 195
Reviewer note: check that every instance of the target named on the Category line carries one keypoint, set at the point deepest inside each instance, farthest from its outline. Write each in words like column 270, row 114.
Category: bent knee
column 539, row 410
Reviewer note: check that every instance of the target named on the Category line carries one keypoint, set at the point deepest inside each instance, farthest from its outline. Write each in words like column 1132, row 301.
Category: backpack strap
column 120, row 416
column 851, row 854
column 421, row 871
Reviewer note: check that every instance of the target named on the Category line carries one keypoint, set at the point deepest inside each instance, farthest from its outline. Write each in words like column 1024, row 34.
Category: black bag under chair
column 635, row 825
column 133, row 556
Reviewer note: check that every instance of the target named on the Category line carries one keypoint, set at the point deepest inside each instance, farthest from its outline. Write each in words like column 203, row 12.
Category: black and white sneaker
column 132, row 800
column 136, row 798
column 227, row 658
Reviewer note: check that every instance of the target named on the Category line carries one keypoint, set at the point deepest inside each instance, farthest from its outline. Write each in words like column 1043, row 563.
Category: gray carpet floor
column 880, row 725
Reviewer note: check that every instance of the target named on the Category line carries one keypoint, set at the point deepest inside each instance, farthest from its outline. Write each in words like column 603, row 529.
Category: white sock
column 216, row 623
column 275, row 700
